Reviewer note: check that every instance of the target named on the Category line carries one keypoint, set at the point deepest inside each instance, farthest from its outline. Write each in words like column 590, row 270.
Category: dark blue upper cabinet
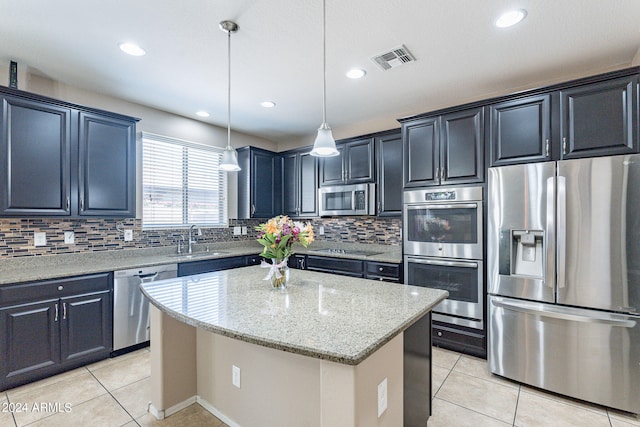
column 107, row 168
column 355, row 164
column 59, row 159
column 259, row 183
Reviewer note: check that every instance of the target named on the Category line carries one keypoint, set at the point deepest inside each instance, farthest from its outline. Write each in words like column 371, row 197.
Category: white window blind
column 182, row 183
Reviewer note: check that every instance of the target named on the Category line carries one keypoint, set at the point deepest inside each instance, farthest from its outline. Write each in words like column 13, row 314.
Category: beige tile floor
column 115, row 392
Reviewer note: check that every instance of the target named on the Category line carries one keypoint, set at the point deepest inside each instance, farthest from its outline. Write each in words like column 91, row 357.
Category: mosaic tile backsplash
column 91, row 235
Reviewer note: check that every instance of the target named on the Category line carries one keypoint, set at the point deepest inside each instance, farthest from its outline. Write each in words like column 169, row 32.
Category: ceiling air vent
column 393, row 58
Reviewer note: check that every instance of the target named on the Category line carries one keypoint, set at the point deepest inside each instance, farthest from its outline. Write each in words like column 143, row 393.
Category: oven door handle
column 444, row 263
column 427, row 205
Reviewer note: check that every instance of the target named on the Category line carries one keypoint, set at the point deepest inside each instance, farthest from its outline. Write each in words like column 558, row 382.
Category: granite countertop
column 326, row 316
column 33, row 268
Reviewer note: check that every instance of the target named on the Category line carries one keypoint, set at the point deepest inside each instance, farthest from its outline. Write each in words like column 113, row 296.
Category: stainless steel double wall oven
column 443, row 249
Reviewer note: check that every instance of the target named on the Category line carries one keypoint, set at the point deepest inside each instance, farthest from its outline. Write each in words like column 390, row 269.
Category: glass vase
column 280, row 275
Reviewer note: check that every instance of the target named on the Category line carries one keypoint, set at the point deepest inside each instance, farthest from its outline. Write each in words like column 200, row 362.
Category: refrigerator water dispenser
column 527, row 253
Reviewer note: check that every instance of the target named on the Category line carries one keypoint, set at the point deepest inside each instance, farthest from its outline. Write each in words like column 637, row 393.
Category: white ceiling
column 277, row 54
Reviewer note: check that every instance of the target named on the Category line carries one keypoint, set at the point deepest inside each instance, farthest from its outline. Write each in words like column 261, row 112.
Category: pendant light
column 324, row 145
column 229, row 155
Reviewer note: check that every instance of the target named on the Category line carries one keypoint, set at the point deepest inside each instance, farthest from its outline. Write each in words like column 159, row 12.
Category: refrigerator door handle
column 566, row 314
column 561, row 231
column 549, row 245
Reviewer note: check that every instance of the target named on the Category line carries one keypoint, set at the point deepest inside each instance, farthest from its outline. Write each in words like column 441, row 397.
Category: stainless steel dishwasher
column 131, row 307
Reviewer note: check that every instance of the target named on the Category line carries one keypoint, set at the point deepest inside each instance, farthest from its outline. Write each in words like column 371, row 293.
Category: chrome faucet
column 192, row 239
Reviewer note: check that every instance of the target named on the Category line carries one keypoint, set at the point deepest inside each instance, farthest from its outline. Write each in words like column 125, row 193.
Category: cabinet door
column 35, row 156
column 266, row 184
column 462, row 147
column 29, row 341
column 290, row 183
column 85, row 326
column 389, row 173
column 107, row 175
column 520, row 130
column 600, row 119
column 421, row 143
column 359, row 156
column 308, row 190
column 332, row 169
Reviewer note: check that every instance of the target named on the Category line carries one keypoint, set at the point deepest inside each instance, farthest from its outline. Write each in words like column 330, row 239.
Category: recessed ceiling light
column 202, row 114
column 511, row 18
column 132, row 49
column 268, row 104
column 356, row 73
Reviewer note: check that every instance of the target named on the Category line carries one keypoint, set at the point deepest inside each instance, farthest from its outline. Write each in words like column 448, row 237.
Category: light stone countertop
column 34, row 268
column 326, row 316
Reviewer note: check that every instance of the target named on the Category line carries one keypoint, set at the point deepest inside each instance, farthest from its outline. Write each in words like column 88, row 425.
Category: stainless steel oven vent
column 393, row 58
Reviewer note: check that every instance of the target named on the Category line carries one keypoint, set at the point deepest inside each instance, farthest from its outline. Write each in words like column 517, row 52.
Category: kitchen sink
column 346, row 252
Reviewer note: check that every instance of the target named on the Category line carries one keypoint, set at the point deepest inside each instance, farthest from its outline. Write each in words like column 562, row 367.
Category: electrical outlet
column 321, row 230
column 382, row 397
column 235, row 376
column 69, row 237
column 39, row 238
column 236, row 231
column 128, row 235
column 244, row 231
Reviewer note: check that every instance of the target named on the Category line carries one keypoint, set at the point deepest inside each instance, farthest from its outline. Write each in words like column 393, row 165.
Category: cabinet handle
column 64, row 311
column 67, row 205
column 82, row 204
column 56, row 319
column 442, row 174
column 302, row 264
column 253, row 209
column 547, row 148
column 564, row 145
column 60, row 287
column 437, row 174
column 380, row 269
column 379, row 207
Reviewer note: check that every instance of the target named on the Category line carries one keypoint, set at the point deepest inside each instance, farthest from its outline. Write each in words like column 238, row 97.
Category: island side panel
column 173, row 364
column 287, row 389
column 350, row 393
column 277, row 388
column 417, row 372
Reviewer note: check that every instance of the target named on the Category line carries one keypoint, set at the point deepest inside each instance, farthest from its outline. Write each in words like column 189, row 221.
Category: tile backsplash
column 100, row 234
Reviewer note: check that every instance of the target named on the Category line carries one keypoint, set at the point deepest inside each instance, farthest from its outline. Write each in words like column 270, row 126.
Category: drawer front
column 349, row 267
column 383, row 269
column 382, row 278
column 209, row 265
column 25, row 292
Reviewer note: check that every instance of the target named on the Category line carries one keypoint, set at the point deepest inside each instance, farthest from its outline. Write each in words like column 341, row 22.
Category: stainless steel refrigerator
column 563, row 270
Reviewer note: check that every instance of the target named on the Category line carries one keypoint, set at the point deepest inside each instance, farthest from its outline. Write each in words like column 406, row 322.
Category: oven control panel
column 440, row 195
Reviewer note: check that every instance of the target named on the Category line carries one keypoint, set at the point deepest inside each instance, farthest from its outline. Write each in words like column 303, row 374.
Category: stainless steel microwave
column 352, row 199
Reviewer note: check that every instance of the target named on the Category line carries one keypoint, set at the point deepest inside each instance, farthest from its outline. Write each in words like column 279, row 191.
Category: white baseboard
column 222, row 417
column 161, row 415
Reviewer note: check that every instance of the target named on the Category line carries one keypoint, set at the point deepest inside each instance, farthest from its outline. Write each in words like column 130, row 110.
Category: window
column 182, row 183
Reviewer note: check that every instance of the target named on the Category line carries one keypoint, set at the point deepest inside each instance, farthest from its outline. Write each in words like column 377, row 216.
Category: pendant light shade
column 229, row 161
column 324, row 145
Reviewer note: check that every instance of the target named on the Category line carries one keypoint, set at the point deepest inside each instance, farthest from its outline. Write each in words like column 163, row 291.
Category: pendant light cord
column 324, row 63
column 229, row 89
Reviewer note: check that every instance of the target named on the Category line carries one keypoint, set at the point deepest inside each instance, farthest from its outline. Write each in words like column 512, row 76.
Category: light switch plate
column 244, row 231
column 235, row 376
column 321, row 230
column 69, row 237
column 236, row 231
column 128, row 235
column 382, row 397
column 39, row 238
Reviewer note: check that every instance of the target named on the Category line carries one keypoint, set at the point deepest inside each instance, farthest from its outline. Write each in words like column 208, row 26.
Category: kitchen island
column 329, row 351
